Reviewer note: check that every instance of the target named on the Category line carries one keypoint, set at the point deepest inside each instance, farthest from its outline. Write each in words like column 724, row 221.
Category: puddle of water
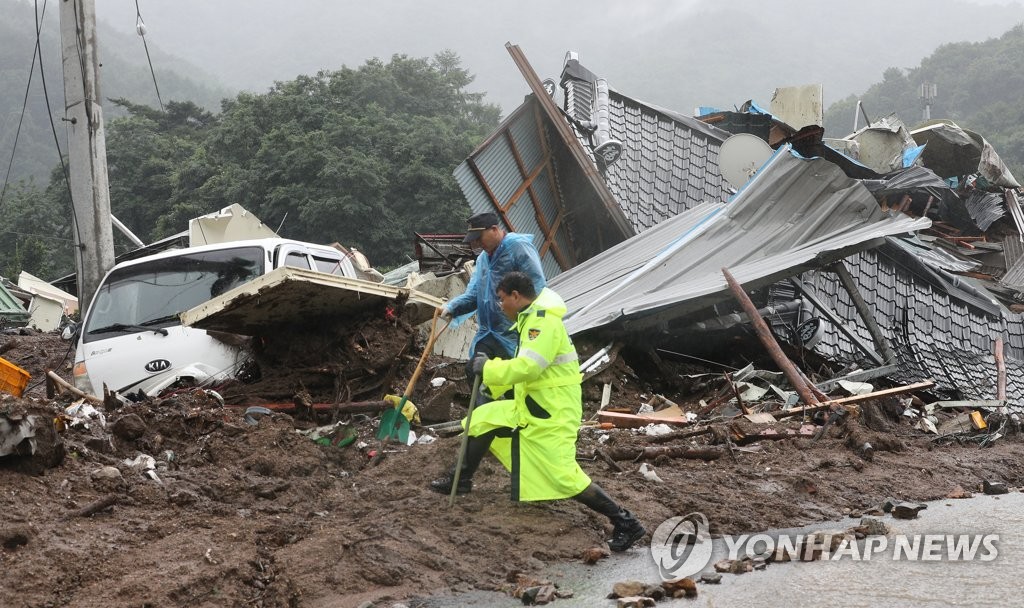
column 880, row 581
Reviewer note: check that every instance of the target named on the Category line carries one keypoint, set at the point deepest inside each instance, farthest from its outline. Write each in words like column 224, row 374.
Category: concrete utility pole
column 87, row 154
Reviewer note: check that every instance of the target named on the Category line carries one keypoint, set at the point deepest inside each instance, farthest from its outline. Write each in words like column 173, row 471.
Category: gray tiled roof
column 937, row 331
column 669, row 163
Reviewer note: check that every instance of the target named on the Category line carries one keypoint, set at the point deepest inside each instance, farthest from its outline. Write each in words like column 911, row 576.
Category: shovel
column 393, row 424
column 465, row 440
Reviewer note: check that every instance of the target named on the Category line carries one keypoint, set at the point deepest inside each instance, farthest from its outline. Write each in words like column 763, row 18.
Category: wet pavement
column 883, row 580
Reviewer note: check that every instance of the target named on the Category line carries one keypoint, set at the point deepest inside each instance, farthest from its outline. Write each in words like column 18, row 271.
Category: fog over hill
column 675, row 53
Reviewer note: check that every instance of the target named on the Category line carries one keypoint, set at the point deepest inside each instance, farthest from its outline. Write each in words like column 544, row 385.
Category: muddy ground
column 250, row 513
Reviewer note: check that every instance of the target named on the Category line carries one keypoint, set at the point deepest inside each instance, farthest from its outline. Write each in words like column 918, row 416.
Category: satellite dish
column 741, row 156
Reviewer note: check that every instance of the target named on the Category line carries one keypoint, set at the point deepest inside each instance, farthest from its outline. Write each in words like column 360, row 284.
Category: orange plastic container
column 13, row 379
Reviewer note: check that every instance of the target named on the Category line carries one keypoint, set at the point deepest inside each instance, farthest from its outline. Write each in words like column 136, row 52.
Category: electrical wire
column 24, row 106
column 140, row 27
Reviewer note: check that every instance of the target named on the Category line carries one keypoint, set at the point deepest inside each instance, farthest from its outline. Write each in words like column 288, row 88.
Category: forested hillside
column 361, row 156
column 980, row 87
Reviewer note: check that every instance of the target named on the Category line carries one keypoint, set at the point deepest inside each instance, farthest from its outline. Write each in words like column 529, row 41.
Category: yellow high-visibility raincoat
column 537, row 429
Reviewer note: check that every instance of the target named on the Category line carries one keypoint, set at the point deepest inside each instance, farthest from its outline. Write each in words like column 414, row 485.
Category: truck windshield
column 152, row 294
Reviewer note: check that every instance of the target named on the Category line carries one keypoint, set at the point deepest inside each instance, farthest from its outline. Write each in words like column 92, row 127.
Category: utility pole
column 87, row 153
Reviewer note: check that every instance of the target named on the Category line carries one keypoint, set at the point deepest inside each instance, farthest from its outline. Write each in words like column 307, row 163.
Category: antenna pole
column 87, row 152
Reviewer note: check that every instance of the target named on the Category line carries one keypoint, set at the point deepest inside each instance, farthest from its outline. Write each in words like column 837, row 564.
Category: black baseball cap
column 478, row 223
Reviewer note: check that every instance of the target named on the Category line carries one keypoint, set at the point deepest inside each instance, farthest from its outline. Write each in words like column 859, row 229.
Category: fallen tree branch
column 96, row 506
column 71, row 389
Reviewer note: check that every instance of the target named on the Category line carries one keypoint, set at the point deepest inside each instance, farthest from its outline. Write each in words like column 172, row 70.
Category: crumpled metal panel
column 985, row 208
column 794, row 214
column 909, row 179
column 953, row 151
column 937, row 257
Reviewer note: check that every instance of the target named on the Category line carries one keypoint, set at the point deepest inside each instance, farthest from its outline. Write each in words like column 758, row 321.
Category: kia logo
column 158, row 365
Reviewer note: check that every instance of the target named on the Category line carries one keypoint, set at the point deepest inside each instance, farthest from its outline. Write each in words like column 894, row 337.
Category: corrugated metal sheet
column 795, row 213
column 499, row 168
column 1013, row 250
column 985, row 208
column 1014, row 277
column 937, row 257
column 911, row 178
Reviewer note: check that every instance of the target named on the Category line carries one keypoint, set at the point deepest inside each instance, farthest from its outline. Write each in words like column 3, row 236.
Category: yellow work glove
column 408, row 410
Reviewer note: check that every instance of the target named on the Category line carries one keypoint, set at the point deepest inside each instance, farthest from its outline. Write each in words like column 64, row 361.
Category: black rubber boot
column 627, row 529
column 476, row 449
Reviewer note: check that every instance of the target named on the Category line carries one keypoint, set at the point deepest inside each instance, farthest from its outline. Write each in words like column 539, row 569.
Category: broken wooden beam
column 765, row 334
column 1000, row 371
column 899, row 390
column 862, row 308
column 354, row 407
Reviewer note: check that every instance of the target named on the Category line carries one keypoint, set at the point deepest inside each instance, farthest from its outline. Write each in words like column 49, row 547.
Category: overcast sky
column 250, row 44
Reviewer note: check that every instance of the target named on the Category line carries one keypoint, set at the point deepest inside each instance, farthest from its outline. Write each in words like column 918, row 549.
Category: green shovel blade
column 393, row 425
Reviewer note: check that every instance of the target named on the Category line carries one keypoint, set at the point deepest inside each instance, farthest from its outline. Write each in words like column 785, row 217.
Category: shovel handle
column 426, row 353
column 465, row 442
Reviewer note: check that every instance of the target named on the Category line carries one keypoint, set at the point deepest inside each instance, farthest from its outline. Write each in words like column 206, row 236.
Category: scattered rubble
column 880, row 273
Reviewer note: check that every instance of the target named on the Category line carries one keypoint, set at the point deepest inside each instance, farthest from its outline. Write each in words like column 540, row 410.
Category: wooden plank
column 632, row 421
column 899, row 390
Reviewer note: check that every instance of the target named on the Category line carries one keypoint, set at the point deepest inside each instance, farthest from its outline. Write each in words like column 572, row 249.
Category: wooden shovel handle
column 426, row 353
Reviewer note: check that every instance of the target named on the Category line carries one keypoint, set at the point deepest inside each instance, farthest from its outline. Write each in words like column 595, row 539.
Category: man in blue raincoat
column 501, row 253
column 534, row 434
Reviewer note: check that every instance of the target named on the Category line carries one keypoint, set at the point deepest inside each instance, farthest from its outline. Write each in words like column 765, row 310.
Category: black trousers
column 490, row 346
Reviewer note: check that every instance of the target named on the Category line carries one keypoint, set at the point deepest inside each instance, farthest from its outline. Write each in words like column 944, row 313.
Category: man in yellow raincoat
column 534, row 434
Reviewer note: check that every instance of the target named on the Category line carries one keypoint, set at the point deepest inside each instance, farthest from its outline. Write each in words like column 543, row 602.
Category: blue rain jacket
column 515, row 253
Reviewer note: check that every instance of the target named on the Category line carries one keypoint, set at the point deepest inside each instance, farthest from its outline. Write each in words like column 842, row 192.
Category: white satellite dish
column 741, row 156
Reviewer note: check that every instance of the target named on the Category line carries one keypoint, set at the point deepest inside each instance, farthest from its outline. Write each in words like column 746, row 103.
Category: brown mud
column 243, row 512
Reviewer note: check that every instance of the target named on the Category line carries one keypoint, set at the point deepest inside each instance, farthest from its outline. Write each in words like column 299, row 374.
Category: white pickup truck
column 131, row 338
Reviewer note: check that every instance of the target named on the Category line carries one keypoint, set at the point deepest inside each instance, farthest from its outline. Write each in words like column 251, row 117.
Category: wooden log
column 677, row 435
column 96, row 506
column 605, row 457
column 765, row 334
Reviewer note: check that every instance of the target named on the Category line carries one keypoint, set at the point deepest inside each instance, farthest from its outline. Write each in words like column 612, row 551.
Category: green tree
column 980, row 85
column 361, row 156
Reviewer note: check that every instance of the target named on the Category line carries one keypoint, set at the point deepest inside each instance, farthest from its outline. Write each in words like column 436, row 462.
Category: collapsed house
column 891, row 250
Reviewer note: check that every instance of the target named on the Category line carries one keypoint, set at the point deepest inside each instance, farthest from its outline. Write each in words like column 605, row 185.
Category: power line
column 140, row 27
column 24, row 106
